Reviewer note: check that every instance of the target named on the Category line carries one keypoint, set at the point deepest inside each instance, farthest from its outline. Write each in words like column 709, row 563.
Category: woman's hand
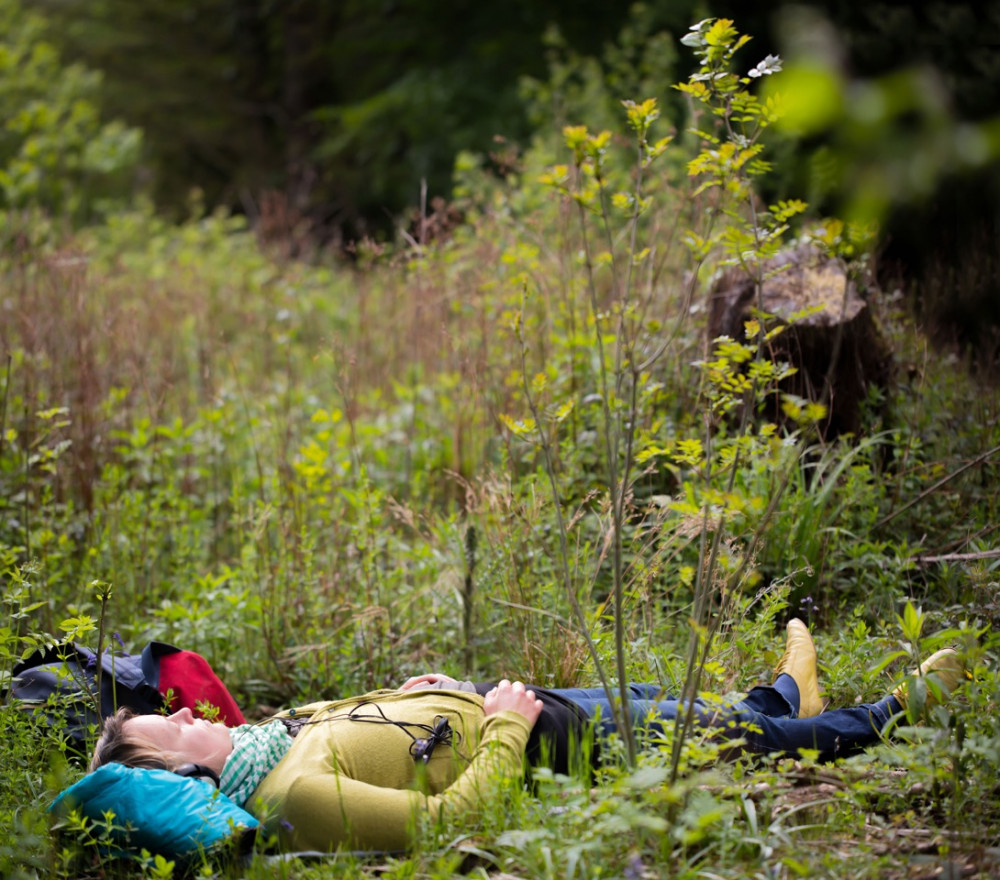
column 514, row 698
column 426, row 678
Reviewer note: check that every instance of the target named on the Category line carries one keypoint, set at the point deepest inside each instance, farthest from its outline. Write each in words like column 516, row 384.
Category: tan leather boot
column 944, row 668
column 799, row 661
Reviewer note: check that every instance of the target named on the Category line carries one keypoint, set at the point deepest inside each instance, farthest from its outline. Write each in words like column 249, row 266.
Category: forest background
column 340, row 343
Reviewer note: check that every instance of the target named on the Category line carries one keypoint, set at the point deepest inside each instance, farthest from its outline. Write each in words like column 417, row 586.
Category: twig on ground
column 889, row 517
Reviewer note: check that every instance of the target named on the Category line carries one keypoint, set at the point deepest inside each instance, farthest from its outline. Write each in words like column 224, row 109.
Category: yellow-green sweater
column 356, row 784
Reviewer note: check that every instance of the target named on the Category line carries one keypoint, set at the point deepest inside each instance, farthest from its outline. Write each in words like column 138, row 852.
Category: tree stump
column 838, row 344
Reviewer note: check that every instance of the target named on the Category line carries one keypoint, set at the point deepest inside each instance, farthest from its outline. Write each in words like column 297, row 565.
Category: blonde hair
column 115, row 745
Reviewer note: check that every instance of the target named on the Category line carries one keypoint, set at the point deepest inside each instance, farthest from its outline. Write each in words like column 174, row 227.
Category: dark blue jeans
column 766, row 718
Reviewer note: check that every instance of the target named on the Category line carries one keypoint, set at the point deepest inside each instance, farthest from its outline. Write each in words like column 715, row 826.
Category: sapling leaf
column 887, row 661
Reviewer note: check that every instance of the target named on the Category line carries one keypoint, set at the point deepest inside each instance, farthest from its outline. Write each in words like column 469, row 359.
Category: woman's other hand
column 425, row 679
column 514, row 698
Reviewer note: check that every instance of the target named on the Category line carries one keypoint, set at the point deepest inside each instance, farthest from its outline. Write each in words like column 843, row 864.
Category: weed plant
column 506, row 451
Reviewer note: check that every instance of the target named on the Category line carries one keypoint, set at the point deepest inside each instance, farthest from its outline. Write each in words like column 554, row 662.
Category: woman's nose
column 183, row 716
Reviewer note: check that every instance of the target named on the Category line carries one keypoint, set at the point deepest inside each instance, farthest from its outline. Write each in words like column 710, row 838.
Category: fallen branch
column 931, row 490
column 959, row 557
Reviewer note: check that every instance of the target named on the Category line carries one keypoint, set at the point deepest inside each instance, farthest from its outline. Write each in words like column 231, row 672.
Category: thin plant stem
column 611, row 463
column 3, row 407
column 619, row 712
column 27, row 484
column 615, row 482
column 104, row 594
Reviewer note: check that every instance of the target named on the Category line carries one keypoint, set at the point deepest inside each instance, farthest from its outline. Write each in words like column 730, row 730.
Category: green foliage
column 626, row 350
column 345, row 110
column 641, row 61
column 509, row 451
column 32, row 765
column 887, row 140
column 56, row 152
column 18, row 636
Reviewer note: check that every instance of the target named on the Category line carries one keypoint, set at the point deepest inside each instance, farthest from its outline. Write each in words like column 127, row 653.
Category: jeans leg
column 646, row 701
column 650, row 707
column 778, row 700
column 637, row 691
column 833, row 734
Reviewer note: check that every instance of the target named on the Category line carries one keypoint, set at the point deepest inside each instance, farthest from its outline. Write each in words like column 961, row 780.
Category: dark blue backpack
column 61, row 682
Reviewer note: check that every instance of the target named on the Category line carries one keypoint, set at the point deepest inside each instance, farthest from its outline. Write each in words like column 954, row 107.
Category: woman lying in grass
column 362, row 772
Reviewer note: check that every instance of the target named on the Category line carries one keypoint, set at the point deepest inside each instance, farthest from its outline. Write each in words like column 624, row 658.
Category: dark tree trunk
column 832, row 338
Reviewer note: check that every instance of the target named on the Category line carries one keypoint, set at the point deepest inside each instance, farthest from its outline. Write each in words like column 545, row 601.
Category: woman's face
column 188, row 739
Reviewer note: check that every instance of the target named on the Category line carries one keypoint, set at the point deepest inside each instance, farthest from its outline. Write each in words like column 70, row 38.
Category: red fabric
column 192, row 680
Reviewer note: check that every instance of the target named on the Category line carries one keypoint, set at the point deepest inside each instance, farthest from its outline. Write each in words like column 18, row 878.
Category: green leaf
column 811, row 96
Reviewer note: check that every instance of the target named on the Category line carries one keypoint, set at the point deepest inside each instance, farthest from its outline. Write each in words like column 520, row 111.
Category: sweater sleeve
column 325, row 810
